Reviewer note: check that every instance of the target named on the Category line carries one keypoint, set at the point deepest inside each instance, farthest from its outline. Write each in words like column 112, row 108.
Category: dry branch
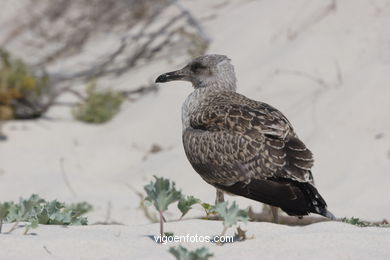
column 65, row 177
column 145, row 45
column 306, row 75
column 192, row 20
column 66, row 28
column 313, row 19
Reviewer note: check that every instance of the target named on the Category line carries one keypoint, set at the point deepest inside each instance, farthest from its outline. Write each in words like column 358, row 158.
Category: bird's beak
column 170, row 76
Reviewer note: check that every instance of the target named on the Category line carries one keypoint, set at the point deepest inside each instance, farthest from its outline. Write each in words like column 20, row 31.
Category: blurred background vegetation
column 60, row 30
column 20, row 90
column 81, row 72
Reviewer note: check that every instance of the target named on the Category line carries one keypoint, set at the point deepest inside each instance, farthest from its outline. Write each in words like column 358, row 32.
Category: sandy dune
column 326, row 67
column 271, row 241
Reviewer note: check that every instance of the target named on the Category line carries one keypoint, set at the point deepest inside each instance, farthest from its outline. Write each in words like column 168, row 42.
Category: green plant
column 208, row 208
column 361, row 223
column 143, row 205
column 4, row 211
column 182, row 253
column 98, row 107
column 186, row 203
column 230, row 215
column 161, row 193
column 36, row 210
column 79, row 208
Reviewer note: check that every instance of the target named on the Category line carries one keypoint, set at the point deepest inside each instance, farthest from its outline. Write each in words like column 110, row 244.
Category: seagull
column 242, row 146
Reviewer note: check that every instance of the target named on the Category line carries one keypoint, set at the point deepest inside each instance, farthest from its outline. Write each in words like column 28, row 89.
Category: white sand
column 271, row 241
column 330, row 78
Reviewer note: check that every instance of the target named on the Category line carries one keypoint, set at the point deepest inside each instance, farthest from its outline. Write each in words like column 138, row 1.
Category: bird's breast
column 190, row 106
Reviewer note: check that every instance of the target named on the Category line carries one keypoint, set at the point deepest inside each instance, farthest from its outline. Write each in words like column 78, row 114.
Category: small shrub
column 6, row 112
column 36, row 210
column 185, row 204
column 161, row 193
column 4, row 211
column 208, row 208
column 20, row 89
column 182, row 253
column 98, row 107
column 230, row 215
column 361, row 223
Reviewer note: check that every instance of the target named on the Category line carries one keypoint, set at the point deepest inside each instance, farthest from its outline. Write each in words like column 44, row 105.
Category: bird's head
column 205, row 71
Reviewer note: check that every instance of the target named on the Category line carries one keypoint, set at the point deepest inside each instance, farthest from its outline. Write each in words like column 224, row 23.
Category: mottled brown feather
column 243, row 146
column 233, row 138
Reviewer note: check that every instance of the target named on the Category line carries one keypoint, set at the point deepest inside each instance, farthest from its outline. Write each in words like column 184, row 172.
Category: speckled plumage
column 244, row 146
column 241, row 139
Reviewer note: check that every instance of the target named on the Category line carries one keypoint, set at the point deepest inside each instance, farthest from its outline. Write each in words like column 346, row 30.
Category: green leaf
column 13, row 213
column 168, row 234
column 361, row 223
column 231, row 215
column 186, row 203
column 28, row 208
column 182, row 253
column 147, row 203
column 98, row 107
column 208, row 208
column 36, row 209
column 162, row 193
column 34, row 222
column 80, row 208
column 79, row 221
column 4, row 209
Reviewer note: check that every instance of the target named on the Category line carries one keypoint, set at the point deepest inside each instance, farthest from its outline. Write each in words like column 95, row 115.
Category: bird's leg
column 219, row 198
column 271, row 213
column 275, row 214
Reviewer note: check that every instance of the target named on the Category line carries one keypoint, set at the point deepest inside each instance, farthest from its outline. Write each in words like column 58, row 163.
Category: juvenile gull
column 242, row 146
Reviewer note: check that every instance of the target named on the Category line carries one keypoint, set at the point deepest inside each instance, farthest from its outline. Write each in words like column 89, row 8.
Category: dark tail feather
column 318, row 204
column 295, row 198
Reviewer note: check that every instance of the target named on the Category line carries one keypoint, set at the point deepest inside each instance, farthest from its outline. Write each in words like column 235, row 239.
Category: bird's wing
column 236, row 139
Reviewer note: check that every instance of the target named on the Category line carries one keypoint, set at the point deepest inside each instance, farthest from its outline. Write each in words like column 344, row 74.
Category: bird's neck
column 215, row 86
column 202, row 92
column 223, row 82
column 198, row 98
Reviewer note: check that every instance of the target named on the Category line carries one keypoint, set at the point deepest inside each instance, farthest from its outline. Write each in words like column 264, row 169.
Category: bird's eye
column 196, row 67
